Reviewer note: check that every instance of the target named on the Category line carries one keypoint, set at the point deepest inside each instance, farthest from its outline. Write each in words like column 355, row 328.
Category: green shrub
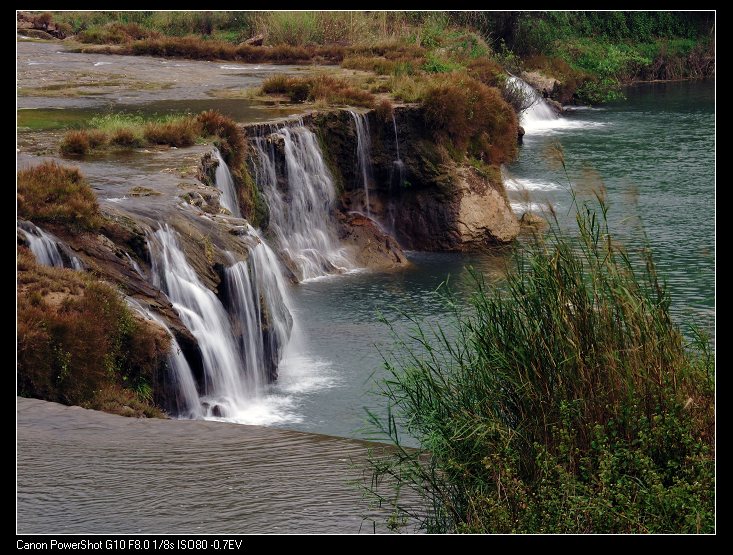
column 563, row 401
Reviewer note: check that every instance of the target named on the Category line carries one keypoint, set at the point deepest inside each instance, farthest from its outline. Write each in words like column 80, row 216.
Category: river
column 653, row 156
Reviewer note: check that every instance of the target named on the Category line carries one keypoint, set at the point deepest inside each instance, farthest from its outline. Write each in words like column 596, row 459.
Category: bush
column 75, row 143
column 474, row 118
column 231, row 140
column 77, row 339
column 320, row 88
column 126, row 137
column 563, row 401
column 176, row 132
column 49, row 192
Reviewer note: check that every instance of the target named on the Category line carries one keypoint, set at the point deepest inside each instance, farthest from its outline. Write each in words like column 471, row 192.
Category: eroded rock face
column 423, row 197
column 484, row 216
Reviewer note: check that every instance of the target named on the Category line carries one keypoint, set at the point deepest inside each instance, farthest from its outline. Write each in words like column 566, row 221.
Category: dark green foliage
column 565, row 400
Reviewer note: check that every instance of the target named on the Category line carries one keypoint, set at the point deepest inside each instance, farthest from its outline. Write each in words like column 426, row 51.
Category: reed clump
column 564, row 400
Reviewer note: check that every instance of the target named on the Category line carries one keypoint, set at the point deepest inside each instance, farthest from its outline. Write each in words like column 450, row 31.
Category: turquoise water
column 654, row 156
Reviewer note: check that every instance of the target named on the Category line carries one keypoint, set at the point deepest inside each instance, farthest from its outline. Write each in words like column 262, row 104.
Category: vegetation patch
column 79, row 344
column 319, row 88
column 564, row 401
column 473, row 118
column 59, row 194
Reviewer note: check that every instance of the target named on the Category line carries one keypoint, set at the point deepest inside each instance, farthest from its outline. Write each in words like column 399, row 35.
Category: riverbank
column 83, row 471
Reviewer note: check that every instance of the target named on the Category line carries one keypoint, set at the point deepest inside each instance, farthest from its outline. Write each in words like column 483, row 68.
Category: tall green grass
column 565, row 400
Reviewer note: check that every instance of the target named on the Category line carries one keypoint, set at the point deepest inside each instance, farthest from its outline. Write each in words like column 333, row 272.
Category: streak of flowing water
column 259, row 298
column 184, row 384
column 363, row 154
column 301, row 216
column 540, row 114
column 43, row 246
column 241, row 348
column 225, row 184
column 226, row 389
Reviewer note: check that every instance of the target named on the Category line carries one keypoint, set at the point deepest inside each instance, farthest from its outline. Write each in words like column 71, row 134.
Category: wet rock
column 371, row 245
column 520, row 134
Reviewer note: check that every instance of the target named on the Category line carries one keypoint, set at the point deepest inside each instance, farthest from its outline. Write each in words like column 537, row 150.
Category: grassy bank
column 591, row 54
column 78, row 342
column 565, row 401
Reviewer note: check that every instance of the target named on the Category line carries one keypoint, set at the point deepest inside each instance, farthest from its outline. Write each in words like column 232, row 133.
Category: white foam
column 117, row 199
column 520, row 207
column 518, row 184
column 102, row 64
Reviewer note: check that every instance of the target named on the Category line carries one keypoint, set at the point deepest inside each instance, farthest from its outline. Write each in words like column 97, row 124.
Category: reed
column 565, row 400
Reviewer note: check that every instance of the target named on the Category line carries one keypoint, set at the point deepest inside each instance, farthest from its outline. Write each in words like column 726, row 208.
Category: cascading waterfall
column 301, row 217
column 48, row 249
column 540, row 114
column 43, row 246
column 226, row 390
column 259, row 300
column 400, row 166
column 225, row 183
column 187, row 397
column 235, row 372
column 363, row 154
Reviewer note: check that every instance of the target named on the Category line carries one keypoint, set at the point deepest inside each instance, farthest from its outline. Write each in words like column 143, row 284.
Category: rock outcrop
column 424, row 197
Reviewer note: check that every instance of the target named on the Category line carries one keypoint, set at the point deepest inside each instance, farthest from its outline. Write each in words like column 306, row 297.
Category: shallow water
column 82, row 471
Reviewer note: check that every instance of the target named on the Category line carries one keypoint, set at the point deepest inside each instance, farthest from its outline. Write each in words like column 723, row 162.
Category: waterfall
column 187, row 396
column 400, row 166
column 363, row 154
column 396, row 139
column 47, row 249
column 540, row 114
column 225, row 184
column 235, row 370
column 300, row 217
column 226, row 390
column 259, row 301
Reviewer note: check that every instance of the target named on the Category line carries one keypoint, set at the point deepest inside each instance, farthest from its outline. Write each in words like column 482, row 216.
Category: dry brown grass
column 473, row 117
column 231, row 139
column 53, row 193
column 179, row 132
column 75, row 143
column 77, row 340
column 194, row 47
column 320, row 88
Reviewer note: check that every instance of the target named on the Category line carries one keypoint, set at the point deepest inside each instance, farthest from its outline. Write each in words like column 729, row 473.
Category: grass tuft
column 53, row 193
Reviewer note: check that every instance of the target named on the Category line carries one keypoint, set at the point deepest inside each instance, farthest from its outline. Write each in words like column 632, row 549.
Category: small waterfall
column 300, row 217
column 539, row 114
column 400, row 166
column 47, row 249
column 225, row 183
column 241, row 348
column 259, row 301
column 43, row 246
column 187, row 397
column 396, row 138
column 226, row 390
column 363, row 154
